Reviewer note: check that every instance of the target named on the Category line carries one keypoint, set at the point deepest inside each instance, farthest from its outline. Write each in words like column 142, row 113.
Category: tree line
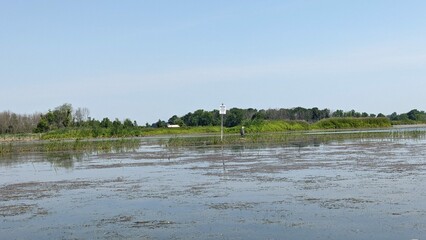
column 61, row 117
column 12, row 123
column 238, row 116
column 413, row 115
column 66, row 117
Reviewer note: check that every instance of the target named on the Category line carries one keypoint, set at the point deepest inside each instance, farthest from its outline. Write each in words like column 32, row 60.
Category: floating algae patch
column 152, row 224
column 234, row 206
column 14, row 210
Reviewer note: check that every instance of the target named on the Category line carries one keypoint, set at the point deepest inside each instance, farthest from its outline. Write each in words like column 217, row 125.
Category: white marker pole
column 222, row 111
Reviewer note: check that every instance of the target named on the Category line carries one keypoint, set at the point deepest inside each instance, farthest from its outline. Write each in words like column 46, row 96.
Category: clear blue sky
column 148, row 60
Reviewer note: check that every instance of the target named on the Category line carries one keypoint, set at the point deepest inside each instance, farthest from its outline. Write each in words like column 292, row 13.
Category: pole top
column 222, row 109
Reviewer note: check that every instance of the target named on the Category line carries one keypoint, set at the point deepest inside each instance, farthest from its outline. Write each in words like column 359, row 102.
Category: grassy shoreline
column 251, row 128
column 298, row 138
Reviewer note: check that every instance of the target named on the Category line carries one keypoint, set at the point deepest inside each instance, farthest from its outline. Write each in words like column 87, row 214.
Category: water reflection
column 65, row 159
column 345, row 189
column 63, row 154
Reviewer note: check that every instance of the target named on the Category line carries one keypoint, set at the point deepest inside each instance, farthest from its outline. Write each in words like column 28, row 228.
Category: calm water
column 353, row 189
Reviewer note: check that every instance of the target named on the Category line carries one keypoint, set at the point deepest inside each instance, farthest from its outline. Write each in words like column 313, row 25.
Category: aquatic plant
column 75, row 145
column 297, row 138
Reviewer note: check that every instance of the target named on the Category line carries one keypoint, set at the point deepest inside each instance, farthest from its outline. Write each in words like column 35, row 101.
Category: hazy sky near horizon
column 148, row 60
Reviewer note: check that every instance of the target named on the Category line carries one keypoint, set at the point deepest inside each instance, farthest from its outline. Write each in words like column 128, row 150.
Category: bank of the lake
column 213, row 139
column 256, row 126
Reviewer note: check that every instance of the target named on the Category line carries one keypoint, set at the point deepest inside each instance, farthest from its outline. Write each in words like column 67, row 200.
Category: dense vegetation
column 412, row 117
column 237, row 116
column 66, row 146
column 294, row 138
column 347, row 123
column 64, row 122
column 12, row 123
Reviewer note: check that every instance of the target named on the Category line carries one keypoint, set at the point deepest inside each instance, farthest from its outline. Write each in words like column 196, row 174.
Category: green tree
column 394, row 116
column 234, row 117
column 197, row 118
column 175, row 120
column 106, row 123
column 413, row 114
column 187, row 119
column 160, row 124
column 128, row 123
column 42, row 126
column 63, row 115
column 206, row 119
column 116, row 127
column 260, row 115
column 338, row 113
column 316, row 114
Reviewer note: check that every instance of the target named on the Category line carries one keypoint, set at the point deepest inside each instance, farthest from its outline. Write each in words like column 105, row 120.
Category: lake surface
column 348, row 189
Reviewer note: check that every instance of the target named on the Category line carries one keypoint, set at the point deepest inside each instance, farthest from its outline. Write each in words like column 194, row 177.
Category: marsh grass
column 276, row 126
column 19, row 137
column 75, row 145
column 294, row 138
column 252, row 126
column 351, row 123
column 92, row 133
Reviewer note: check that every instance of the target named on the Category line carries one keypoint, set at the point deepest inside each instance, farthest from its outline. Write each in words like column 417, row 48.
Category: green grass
column 351, row 123
column 407, row 122
column 64, row 146
column 88, row 133
column 292, row 138
column 181, row 130
column 275, row 126
column 257, row 126
column 19, row 137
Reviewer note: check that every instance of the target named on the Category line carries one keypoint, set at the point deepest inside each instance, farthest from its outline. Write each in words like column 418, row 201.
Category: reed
column 75, row 145
column 351, row 123
column 294, row 138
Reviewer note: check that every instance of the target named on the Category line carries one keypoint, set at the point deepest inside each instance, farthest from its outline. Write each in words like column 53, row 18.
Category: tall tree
column 81, row 115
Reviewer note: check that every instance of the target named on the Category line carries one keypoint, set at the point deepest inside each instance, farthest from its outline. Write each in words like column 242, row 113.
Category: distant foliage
column 348, row 123
column 237, row 116
column 65, row 122
column 413, row 116
column 59, row 118
column 12, row 123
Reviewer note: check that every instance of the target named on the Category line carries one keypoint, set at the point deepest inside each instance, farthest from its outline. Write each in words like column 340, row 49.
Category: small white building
column 172, row 126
